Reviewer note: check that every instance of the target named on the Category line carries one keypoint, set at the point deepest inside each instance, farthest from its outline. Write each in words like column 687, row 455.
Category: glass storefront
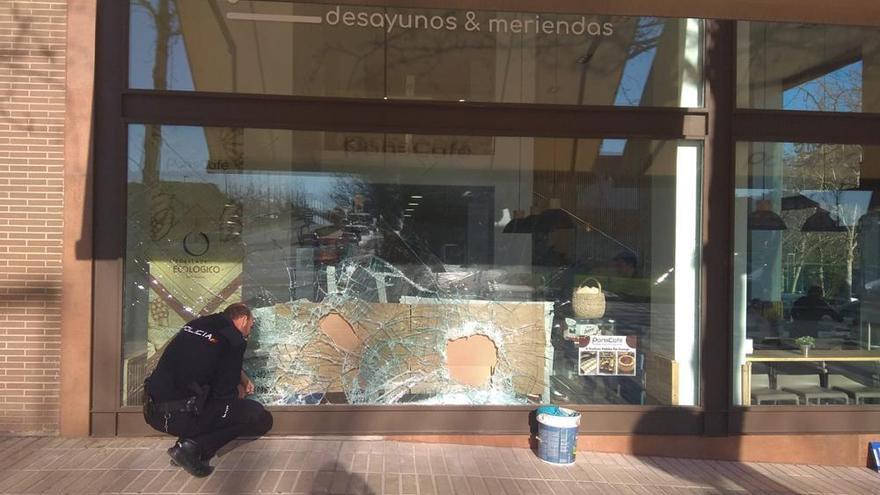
column 419, row 268
column 425, row 269
column 285, row 48
column 439, row 207
column 807, row 276
column 805, row 236
column 808, row 67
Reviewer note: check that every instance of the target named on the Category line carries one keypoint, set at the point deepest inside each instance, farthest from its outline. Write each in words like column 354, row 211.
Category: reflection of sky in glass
column 847, row 206
column 612, row 147
column 143, row 41
column 752, row 192
column 184, row 153
column 638, row 68
column 635, row 77
column 184, row 149
column 184, row 157
column 630, row 91
column 836, row 91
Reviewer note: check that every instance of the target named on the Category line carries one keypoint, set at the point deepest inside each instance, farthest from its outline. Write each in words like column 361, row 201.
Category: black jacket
column 206, row 351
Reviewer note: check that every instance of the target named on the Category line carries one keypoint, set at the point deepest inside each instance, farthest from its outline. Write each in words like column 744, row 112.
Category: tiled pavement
column 312, row 466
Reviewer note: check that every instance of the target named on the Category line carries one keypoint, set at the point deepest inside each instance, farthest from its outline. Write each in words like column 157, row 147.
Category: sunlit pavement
column 311, row 466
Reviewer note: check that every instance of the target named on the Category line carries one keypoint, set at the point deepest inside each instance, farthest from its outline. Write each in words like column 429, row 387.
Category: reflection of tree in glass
column 417, row 56
column 827, row 170
column 839, row 90
column 276, row 199
column 166, row 22
column 162, row 217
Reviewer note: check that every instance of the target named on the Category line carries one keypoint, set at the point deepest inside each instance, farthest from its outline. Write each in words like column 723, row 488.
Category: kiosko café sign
column 469, row 21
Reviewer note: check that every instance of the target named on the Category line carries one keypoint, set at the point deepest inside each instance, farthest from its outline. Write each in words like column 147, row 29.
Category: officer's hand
column 241, row 391
column 246, row 384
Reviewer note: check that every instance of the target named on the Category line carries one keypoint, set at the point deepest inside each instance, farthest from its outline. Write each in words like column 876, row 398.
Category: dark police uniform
column 193, row 392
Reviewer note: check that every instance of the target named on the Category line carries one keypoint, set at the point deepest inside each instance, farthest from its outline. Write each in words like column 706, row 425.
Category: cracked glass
column 420, row 269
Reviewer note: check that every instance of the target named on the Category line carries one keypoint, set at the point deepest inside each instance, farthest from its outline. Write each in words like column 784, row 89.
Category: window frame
column 794, row 126
column 718, row 124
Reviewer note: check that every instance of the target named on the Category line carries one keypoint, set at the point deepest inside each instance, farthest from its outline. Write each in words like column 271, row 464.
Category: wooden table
column 796, row 356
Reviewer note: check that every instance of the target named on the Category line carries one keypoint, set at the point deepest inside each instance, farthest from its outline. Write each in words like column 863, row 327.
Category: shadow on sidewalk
column 655, row 431
column 330, row 478
column 333, row 478
column 693, row 468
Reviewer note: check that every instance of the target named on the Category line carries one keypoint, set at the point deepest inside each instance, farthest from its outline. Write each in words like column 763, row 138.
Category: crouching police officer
column 197, row 390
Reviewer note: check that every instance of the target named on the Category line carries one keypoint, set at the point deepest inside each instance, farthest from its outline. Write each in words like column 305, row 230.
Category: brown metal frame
column 109, row 199
column 718, row 124
column 407, row 116
column 716, row 316
column 806, row 127
column 454, row 420
column 853, row 12
column 753, row 125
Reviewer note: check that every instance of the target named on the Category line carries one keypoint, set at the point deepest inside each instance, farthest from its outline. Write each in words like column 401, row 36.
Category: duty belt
column 193, row 404
column 187, row 405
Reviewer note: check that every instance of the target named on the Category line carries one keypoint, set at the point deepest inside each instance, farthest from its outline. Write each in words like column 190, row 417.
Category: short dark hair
column 237, row 310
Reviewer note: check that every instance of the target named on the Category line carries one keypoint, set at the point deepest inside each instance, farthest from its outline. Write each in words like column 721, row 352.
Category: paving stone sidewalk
column 345, row 466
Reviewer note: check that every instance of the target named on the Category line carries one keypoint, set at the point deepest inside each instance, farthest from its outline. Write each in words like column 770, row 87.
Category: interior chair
column 857, row 391
column 762, row 393
column 808, row 388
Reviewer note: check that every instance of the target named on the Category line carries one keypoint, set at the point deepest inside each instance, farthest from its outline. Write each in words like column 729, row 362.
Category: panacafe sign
column 468, row 21
column 609, row 355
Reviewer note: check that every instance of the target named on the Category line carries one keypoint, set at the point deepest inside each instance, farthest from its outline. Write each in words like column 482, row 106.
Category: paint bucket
column 557, row 434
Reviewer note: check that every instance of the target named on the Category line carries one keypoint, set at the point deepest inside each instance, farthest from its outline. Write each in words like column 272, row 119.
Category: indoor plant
column 805, row 342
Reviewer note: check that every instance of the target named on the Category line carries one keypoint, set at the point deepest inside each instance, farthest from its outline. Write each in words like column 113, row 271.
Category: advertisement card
column 611, row 355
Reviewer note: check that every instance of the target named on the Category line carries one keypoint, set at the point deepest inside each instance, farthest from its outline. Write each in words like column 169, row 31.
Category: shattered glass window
column 420, row 269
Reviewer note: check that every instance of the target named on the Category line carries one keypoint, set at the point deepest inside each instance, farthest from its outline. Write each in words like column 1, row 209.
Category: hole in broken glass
column 340, row 332
column 471, row 360
column 380, row 333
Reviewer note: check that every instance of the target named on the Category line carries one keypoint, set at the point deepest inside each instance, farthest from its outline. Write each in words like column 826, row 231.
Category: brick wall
column 32, row 98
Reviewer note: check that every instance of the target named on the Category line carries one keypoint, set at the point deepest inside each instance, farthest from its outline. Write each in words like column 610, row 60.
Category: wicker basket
column 588, row 306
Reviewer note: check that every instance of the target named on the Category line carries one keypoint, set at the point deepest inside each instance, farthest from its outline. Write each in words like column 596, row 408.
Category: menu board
column 607, row 355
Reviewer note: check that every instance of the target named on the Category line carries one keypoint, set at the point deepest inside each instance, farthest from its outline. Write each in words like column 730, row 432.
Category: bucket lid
column 554, row 410
column 572, row 419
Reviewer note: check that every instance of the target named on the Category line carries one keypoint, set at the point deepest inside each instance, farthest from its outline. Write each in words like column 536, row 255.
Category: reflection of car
column 350, row 236
column 360, row 223
column 329, row 243
column 329, row 250
column 359, row 228
column 865, row 308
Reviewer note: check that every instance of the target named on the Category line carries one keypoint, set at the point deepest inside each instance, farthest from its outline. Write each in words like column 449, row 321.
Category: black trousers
column 220, row 423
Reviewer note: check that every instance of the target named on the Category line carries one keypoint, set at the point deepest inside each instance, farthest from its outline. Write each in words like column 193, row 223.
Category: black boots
column 187, row 455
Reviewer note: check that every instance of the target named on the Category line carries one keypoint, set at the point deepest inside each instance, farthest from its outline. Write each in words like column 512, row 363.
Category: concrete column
column 76, row 277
